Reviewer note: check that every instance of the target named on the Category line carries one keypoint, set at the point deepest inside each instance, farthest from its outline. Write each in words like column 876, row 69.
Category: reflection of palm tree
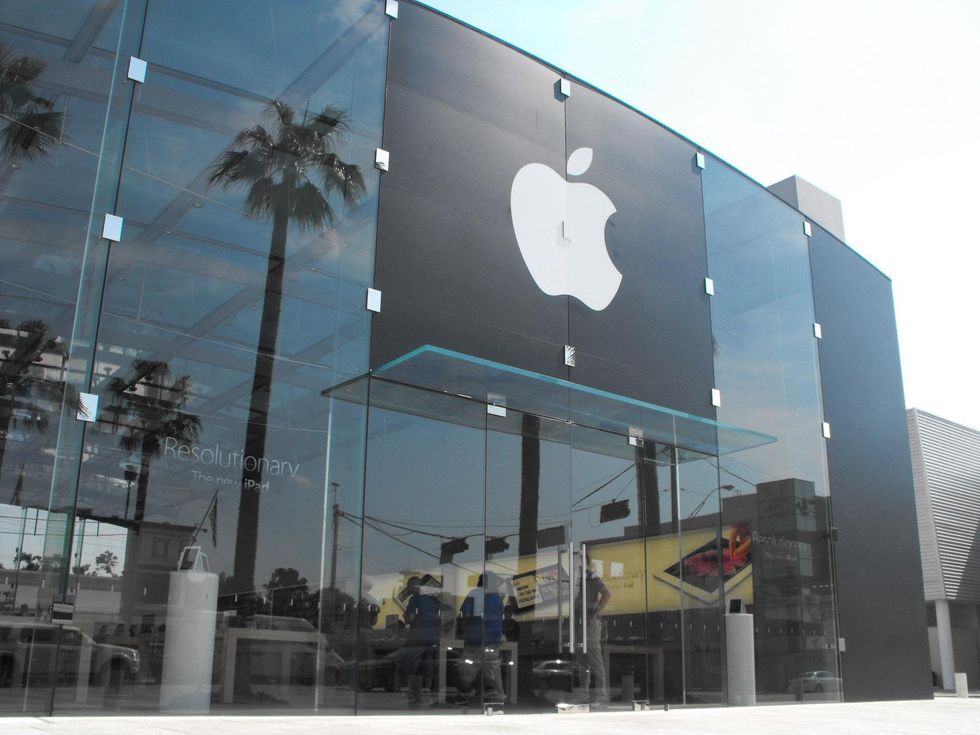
column 32, row 126
column 147, row 408
column 28, row 392
column 289, row 172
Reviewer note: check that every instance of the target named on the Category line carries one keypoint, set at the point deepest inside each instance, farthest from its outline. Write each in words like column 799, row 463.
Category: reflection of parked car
column 28, row 648
column 558, row 673
column 295, row 638
column 815, row 681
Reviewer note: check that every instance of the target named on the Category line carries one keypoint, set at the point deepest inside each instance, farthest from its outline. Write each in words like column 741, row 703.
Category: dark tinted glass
column 464, row 114
column 656, row 327
column 869, row 467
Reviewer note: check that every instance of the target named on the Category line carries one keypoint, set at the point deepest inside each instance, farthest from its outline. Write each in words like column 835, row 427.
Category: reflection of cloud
column 346, row 12
column 766, row 363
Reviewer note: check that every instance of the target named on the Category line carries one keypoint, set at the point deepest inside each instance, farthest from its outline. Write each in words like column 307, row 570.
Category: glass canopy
column 495, row 384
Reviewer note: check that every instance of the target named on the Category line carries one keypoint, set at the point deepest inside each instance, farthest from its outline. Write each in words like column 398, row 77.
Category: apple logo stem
column 561, row 231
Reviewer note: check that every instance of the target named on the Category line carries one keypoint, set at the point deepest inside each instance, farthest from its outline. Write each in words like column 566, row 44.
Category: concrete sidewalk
column 942, row 715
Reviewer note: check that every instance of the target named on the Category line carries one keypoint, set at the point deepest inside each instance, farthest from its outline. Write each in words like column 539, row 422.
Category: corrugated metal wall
column 932, row 576
column 946, row 469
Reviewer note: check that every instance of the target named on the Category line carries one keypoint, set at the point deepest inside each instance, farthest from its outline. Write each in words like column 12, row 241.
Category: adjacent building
column 354, row 361
column 946, row 468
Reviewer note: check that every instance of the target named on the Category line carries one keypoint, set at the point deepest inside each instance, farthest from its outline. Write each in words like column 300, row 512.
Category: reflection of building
column 395, row 306
column 946, row 467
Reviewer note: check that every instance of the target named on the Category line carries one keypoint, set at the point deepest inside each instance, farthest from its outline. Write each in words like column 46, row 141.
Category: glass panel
column 454, row 372
column 236, row 297
column 528, row 483
column 715, row 563
column 348, row 608
column 56, row 71
column 423, row 527
column 664, row 578
column 762, row 315
column 609, row 505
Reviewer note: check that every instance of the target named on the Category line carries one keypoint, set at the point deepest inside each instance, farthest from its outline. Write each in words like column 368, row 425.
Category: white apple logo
column 561, row 231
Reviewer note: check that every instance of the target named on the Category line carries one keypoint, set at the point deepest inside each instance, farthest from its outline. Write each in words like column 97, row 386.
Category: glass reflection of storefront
column 182, row 523
column 483, row 524
column 246, row 522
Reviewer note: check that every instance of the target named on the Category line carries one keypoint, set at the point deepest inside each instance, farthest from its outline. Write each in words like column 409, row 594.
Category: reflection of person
column 422, row 620
column 597, row 596
column 482, row 619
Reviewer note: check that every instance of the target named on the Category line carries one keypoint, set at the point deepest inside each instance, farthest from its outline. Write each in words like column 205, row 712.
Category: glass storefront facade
column 286, row 502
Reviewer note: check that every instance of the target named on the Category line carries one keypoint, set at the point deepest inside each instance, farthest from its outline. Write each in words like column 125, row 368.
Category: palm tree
column 145, row 409
column 29, row 393
column 290, row 171
column 32, row 126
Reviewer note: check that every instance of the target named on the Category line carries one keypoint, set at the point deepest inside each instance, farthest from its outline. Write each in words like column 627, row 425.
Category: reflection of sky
column 27, row 528
column 762, row 319
column 283, row 39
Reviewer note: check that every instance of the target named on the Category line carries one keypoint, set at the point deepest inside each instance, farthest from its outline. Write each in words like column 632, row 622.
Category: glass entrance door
column 609, row 544
column 528, row 557
column 565, row 552
column 519, row 562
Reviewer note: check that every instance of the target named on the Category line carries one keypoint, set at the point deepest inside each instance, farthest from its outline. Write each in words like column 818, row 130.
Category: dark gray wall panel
column 880, row 594
column 659, row 321
column 463, row 114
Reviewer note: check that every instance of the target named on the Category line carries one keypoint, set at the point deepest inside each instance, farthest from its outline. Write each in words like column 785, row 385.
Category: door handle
column 571, row 598
column 561, row 633
column 585, row 601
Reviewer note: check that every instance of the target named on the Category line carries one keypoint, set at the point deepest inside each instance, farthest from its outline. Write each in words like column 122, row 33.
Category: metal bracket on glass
column 112, row 227
column 381, row 158
column 565, row 88
column 495, row 410
column 569, row 356
column 825, row 427
column 88, row 407
column 137, row 69
column 817, row 330
column 391, row 8
column 373, row 300
column 636, row 441
column 709, row 286
column 699, row 159
column 716, row 398
column 807, row 229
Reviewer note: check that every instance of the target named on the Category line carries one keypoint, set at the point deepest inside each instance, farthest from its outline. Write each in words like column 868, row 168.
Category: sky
column 877, row 103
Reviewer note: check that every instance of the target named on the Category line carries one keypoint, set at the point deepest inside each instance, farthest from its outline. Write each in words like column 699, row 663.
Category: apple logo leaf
column 579, row 161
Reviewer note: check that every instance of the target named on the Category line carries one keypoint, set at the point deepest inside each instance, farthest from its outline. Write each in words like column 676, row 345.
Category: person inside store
column 415, row 661
column 481, row 620
column 597, row 596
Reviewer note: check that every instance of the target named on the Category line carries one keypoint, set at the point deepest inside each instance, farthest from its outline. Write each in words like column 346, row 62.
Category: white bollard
column 961, row 690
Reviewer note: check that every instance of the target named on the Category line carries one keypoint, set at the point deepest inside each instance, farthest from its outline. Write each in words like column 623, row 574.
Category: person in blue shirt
column 422, row 622
column 481, row 618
